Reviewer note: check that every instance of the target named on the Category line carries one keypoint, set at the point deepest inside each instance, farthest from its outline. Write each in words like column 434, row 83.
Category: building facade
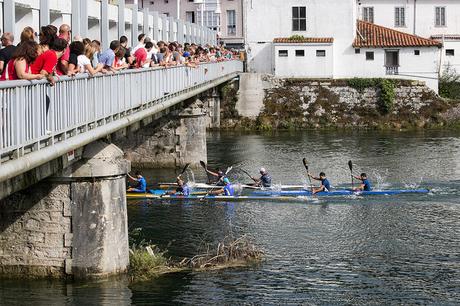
column 223, row 16
column 367, row 38
column 103, row 20
column 436, row 19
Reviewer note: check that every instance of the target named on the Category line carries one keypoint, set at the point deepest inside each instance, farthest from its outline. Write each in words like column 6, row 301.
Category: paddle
column 212, row 189
column 350, row 165
column 182, row 172
column 247, row 173
column 305, row 164
column 184, row 169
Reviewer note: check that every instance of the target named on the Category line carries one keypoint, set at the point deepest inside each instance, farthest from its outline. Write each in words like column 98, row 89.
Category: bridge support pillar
column 169, row 141
column 72, row 224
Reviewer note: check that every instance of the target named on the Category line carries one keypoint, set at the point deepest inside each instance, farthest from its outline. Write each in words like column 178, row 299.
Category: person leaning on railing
column 19, row 65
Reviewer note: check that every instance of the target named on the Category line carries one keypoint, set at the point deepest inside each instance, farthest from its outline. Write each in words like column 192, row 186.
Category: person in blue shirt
column 108, row 56
column 182, row 188
column 365, row 184
column 141, row 183
column 265, row 179
column 228, row 189
column 325, row 185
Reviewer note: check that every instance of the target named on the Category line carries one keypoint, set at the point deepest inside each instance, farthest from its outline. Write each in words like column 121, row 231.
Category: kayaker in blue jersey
column 141, row 183
column 265, row 179
column 365, row 184
column 325, row 185
column 182, row 188
column 228, row 189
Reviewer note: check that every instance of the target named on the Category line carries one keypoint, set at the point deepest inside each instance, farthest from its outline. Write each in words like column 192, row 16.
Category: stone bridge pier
column 74, row 223
column 175, row 138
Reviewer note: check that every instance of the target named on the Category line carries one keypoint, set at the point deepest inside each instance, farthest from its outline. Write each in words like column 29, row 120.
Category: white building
column 436, row 19
column 332, row 42
column 223, row 16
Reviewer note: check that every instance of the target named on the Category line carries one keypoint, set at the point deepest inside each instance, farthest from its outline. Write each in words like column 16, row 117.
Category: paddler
column 265, row 179
column 325, row 185
column 365, row 184
column 228, row 189
column 141, row 183
column 182, row 188
column 220, row 175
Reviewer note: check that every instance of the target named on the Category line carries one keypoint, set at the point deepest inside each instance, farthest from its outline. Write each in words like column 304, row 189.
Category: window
column 357, row 51
column 368, row 14
column 450, row 52
column 231, row 22
column 440, row 18
column 416, row 52
column 282, row 53
column 211, row 20
column 299, row 52
column 320, row 53
column 400, row 17
column 369, row 56
column 190, row 17
column 299, row 18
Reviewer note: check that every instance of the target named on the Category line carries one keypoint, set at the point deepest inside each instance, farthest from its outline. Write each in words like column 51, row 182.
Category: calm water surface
column 349, row 250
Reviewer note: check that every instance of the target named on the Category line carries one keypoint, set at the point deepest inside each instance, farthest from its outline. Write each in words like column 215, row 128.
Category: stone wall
column 35, row 231
column 301, row 103
column 171, row 141
column 74, row 223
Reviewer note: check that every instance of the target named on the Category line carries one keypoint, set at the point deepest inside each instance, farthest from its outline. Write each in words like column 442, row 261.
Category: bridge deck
column 39, row 123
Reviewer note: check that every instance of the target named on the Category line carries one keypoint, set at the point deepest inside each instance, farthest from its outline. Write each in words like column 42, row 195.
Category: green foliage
column 229, row 94
column 449, row 84
column 362, row 83
column 296, row 37
column 145, row 265
column 387, row 96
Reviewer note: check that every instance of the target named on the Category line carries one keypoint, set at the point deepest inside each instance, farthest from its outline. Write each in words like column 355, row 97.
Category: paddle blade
column 185, row 168
column 350, row 165
column 305, row 163
column 228, row 170
column 203, row 164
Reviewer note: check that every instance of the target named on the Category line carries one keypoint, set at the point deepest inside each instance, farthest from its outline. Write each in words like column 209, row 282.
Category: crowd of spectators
column 55, row 54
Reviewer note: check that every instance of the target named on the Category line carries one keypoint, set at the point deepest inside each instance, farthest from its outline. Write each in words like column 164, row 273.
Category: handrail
column 35, row 116
column 20, row 83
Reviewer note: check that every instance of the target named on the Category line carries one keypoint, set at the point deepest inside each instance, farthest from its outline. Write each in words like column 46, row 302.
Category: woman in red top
column 19, row 65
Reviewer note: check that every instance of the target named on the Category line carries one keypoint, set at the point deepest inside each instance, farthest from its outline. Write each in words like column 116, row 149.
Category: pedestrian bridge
column 40, row 123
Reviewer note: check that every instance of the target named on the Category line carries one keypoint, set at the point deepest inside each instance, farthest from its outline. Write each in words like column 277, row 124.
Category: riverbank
column 297, row 104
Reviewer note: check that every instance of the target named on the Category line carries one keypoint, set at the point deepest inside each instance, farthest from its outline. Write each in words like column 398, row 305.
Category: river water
column 347, row 250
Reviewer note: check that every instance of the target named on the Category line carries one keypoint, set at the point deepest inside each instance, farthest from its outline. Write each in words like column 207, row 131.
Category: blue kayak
column 340, row 192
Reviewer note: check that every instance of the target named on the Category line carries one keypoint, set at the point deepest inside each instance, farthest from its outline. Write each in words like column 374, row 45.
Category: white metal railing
column 35, row 115
column 392, row 70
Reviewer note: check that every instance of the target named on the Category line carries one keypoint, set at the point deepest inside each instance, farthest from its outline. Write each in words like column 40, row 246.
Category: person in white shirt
column 84, row 62
column 141, row 43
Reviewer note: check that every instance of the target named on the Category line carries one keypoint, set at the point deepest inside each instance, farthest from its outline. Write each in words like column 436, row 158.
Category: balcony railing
column 392, row 70
column 35, row 115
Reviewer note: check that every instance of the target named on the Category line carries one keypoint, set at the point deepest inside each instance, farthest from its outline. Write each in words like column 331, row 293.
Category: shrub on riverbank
column 147, row 261
column 449, row 84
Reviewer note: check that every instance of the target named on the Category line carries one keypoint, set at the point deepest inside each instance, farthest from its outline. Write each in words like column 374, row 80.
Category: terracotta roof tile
column 370, row 35
column 305, row 40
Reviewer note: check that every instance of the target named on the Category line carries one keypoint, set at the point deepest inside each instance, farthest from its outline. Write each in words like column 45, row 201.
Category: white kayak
column 244, row 186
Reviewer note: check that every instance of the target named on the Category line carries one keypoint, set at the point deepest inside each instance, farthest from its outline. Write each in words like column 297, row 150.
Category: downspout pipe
column 415, row 17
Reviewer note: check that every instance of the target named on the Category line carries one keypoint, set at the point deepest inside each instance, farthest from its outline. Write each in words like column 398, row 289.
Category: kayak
column 244, row 186
column 270, row 195
column 147, row 196
column 340, row 192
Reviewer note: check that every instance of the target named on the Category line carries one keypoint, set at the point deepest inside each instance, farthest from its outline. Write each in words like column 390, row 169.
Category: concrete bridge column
column 169, row 141
column 72, row 224
column 213, row 106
